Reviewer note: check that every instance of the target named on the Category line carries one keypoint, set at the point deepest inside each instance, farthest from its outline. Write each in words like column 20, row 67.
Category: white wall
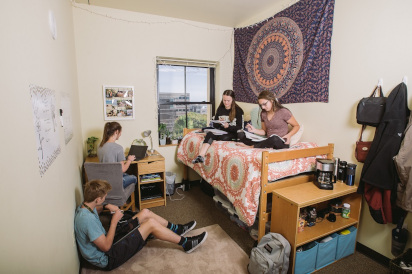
column 121, row 49
column 371, row 40
column 36, row 231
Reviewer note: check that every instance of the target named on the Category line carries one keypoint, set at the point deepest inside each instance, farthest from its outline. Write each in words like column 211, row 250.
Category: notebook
column 138, row 151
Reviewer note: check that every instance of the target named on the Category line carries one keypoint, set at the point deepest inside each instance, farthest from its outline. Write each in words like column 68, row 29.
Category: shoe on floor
column 183, row 229
column 194, row 242
column 198, row 159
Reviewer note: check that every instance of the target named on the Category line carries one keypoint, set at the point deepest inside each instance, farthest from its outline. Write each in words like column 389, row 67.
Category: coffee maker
column 324, row 173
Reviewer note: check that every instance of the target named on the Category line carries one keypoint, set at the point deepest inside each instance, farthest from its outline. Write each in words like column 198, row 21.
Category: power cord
column 181, row 198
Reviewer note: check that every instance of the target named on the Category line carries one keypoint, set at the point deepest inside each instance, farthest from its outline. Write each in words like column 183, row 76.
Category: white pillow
column 296, row 137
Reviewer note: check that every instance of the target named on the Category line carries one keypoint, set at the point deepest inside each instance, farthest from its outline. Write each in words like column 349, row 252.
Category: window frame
column 210, row 65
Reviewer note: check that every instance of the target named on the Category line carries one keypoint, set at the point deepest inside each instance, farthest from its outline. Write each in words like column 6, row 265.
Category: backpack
column 271, row 255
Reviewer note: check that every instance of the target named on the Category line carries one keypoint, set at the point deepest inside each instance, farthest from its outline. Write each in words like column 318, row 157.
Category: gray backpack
column 271, row 255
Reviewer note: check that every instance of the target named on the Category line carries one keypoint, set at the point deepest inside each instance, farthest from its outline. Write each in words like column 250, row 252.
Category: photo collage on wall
column 119, row 102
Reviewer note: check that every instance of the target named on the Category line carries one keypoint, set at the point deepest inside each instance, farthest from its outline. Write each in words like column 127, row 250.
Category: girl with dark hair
column 275, row 124
column 231, row 117
column 110, row 152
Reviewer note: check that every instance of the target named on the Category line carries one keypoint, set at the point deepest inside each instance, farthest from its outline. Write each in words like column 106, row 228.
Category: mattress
column 236, row 171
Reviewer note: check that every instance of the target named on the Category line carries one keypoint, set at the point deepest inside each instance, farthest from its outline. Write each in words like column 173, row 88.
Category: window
column 185, row 94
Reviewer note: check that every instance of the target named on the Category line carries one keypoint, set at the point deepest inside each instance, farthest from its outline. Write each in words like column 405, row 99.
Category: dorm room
column 74, row 48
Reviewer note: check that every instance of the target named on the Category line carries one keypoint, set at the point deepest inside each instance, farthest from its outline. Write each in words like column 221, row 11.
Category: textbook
column 218, row 121
column 215, row 131
column 258, row 138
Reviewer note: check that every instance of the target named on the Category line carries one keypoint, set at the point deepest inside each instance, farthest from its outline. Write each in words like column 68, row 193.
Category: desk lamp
column 147, row 133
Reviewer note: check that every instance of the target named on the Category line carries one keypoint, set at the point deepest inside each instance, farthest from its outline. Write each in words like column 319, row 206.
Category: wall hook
column 405, row 80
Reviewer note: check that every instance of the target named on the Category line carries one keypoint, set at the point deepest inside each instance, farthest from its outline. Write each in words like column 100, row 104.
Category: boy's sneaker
column 198, row 159
column 194, row 242
column 183, row 229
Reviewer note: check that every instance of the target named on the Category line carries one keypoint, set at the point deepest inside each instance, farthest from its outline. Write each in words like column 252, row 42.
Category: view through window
column 185, row 97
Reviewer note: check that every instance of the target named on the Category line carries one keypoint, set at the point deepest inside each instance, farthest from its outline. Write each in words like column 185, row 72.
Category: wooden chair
column 112, row 173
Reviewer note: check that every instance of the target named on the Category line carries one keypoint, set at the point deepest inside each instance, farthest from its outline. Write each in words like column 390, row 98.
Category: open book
column 258, row 138
column 218, row 121
column 215, row 131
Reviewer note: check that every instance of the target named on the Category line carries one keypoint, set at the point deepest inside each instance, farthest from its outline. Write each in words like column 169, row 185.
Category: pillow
column 255, row 118
column 296, row 137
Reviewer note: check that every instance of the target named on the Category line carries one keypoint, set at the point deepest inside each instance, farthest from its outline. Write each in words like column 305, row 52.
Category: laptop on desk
column 138, row 151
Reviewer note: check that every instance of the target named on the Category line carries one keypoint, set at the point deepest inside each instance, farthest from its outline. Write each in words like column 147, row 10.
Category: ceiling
column 230, row 13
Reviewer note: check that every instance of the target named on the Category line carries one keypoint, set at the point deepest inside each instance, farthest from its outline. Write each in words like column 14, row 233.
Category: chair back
column 112, row 173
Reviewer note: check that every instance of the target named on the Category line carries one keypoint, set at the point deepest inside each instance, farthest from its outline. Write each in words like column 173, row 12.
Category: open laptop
column 138, row 151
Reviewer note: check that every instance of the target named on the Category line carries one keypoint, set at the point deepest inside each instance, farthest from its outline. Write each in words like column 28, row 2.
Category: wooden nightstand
column 151, row 165
column 287, row 203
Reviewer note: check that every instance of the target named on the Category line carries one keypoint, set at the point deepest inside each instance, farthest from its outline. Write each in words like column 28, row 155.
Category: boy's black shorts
column 124, row 248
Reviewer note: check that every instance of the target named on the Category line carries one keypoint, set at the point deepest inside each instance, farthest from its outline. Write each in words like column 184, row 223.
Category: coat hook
column 380, row 82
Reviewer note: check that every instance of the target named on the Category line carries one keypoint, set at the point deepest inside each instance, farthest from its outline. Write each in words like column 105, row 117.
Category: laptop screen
column 138, row 151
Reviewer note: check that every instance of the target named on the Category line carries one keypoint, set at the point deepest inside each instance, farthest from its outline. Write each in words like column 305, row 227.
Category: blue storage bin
column 327, row 252
column 306, row 260
column 346, row 243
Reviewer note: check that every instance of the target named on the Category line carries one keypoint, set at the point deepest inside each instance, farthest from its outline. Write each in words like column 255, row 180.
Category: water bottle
column 350, row 177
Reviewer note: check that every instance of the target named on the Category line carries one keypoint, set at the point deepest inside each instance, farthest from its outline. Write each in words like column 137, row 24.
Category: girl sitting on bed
column 231, row 116
column 275, row 120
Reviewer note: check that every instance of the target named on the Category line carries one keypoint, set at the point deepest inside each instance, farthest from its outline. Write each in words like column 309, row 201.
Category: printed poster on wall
column 45, row 126
column 66, row 116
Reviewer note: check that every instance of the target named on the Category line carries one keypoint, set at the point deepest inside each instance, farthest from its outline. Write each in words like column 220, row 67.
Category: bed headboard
column 187, row 130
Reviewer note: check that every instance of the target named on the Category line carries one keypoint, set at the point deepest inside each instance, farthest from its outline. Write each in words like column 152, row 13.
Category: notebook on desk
column 138, row 151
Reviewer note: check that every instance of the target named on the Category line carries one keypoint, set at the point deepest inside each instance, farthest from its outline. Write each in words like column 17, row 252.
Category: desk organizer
column 327, row 252
column 346, row 243
column 306, row 260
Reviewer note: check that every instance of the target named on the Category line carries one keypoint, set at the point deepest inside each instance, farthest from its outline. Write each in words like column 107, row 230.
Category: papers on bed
column 258, row 138
column 214, row 131
column 218, row 121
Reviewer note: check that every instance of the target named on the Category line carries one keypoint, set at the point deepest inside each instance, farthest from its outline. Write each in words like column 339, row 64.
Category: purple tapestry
column 288, row 54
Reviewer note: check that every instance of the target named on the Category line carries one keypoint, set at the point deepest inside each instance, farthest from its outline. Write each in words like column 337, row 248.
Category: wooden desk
column 154, row 163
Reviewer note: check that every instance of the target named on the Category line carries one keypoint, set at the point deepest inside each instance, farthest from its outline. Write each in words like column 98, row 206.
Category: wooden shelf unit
column 154, row 163
column 288, row 201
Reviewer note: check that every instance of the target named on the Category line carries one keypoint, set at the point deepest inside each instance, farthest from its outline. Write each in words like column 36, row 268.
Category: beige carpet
column 218, row 254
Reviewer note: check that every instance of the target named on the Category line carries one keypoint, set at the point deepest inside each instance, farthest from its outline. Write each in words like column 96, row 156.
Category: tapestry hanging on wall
column 288, row 54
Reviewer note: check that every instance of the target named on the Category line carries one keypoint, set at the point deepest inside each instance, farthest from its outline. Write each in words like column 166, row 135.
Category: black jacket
column 235, row 125
column 379, row 168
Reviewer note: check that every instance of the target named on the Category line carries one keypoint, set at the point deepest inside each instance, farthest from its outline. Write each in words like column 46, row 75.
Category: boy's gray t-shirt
column 110, row 153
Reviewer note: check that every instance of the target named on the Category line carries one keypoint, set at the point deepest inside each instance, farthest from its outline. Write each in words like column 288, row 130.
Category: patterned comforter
column 236, row 170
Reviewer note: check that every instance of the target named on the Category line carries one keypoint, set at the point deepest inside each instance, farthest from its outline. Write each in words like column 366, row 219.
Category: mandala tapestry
column 288, row 54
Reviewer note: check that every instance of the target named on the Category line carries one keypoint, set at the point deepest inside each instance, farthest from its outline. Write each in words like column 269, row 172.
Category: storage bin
column 405, row 257
column 327, row 252
column 346, row 243
column 306, row 260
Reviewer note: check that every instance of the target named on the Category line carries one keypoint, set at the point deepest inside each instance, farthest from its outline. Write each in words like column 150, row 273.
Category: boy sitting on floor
column 97, row 247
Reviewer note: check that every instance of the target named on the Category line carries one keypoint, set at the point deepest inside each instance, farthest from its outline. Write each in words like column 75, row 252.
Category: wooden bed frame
column 266, row 187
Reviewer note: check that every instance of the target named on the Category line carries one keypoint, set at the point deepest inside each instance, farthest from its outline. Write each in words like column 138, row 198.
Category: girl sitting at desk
column 275, row 121
column 230, row 120
column 110, row 152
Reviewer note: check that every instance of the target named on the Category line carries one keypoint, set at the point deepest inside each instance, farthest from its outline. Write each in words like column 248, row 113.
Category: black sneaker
column 183, row 229
column 198, row 159
column 194, row 242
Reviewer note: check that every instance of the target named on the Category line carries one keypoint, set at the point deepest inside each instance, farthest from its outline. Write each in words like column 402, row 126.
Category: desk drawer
column 151, row 167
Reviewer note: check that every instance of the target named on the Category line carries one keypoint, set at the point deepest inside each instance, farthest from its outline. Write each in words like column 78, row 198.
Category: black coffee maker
column 324, row 173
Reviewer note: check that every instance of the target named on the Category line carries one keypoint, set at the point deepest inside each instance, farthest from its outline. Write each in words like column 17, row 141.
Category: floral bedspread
column 236, row 170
